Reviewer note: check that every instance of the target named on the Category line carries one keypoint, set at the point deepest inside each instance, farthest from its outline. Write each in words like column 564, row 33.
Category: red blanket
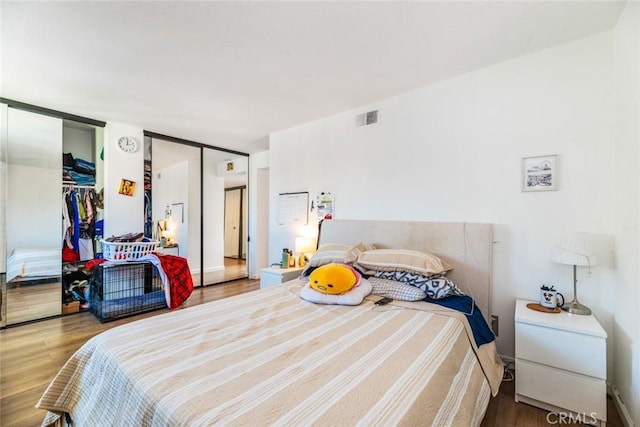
column 178, row 276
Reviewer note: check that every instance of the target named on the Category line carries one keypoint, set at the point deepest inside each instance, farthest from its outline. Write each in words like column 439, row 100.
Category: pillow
column 436, row 287
column 354, row 251
column 353, row 297
column 339, row 253
column 328, row 253
column 395, row 290
column 402, row 260
column 336, row 279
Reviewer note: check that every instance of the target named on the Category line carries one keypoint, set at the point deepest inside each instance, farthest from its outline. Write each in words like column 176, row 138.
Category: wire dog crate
column 124, row 289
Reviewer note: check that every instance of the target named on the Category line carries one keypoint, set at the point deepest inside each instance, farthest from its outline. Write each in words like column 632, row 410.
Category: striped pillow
column 395, row 290
column 340, row 253
column 402, row 260
column 328, row 253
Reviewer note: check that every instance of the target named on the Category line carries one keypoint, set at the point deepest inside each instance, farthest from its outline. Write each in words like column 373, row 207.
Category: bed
column 33, row 264
column 271, row 358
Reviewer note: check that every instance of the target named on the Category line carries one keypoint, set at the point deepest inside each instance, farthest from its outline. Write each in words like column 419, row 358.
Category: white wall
column 32, row 206
column 452, row 152
column 213, row 212
column 79, row 142
column 626, row 355
column 168, row 188
column 192, row 212
column 34, row 181
column 258, row 248
column 123, row 214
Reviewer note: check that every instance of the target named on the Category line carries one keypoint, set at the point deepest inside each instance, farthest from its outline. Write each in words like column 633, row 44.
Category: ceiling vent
column 366, row 119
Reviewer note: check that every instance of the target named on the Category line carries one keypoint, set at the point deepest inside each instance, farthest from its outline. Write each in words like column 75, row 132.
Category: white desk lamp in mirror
column 575, row 249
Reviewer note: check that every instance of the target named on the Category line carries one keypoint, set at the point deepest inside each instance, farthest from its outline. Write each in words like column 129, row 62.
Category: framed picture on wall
column 127, row 187
column 540, row 173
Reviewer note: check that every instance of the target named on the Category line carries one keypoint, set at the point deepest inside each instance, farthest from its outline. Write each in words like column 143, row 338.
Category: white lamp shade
column 304, row 245
column 575, row 248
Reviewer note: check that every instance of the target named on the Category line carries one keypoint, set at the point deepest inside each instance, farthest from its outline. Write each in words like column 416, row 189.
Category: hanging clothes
column 76, row 221
column 79, row 215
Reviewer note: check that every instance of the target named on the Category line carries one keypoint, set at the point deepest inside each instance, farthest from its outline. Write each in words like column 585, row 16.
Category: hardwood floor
column 37, row 301
column 31, row 355
column 32, row 301
column 234, row 268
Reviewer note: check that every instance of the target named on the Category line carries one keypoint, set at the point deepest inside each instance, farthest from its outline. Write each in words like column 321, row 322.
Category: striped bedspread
column 271, row 358
column 34, row 263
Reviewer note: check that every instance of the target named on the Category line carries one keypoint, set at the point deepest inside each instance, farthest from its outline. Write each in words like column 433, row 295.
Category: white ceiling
column 230, row 73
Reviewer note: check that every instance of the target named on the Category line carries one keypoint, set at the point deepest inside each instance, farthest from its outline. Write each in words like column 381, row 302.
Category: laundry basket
column 127, row 251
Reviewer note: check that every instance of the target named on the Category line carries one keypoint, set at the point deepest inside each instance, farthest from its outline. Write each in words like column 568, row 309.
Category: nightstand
column 169, row 250
column 561, row 364
column 275, row 275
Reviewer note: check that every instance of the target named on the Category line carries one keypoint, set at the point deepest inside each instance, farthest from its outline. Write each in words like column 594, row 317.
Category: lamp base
column 574, row 307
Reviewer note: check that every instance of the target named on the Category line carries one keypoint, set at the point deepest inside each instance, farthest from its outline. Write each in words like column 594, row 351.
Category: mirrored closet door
column 46, row 157
column 33, row 212
column 189, row 208
column 225, row 213
column 175, row 201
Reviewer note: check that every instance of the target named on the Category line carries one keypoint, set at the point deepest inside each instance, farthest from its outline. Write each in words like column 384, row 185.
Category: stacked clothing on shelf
column 78, row 171
column 79, row 216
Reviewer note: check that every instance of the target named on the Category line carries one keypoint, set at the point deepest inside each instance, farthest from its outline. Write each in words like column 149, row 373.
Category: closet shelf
column 74, row 185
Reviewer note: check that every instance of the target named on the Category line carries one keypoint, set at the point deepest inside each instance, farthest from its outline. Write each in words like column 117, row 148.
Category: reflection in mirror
column 225, row 214
column 3, row 210
column 176, row 210
column 175, row 201
column 33, row 216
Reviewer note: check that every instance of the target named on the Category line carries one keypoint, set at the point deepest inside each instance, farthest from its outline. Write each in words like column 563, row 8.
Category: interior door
column 232, row 225
column 33, row 215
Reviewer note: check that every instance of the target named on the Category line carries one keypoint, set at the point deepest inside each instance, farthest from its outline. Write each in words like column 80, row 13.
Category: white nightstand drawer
column 540, row 382
column 275, row 275
column 583, row 354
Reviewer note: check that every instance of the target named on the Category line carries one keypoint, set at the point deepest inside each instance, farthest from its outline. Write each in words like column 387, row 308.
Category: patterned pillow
column 395, row 290
column 402, row 260
column 436, row 287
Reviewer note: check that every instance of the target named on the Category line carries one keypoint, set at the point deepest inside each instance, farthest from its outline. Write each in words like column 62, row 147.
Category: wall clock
column 127, row 144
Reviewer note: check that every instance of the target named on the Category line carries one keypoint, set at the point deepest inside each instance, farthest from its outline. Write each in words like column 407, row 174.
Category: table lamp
column 575, row 249
column 304, row 247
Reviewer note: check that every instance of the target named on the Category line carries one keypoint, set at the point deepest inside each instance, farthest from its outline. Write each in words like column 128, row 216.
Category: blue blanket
column 464, row 304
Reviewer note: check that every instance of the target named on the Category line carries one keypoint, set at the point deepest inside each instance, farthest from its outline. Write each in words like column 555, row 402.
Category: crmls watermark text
column 571, row 418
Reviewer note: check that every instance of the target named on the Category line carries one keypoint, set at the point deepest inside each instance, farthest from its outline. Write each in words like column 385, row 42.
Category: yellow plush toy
column 334, row 279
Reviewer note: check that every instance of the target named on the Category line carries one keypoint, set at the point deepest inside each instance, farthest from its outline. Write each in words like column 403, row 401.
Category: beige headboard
column 466, row 246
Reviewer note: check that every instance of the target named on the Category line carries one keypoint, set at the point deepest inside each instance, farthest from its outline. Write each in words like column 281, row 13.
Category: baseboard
column 622, row 410
column 196, row 271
